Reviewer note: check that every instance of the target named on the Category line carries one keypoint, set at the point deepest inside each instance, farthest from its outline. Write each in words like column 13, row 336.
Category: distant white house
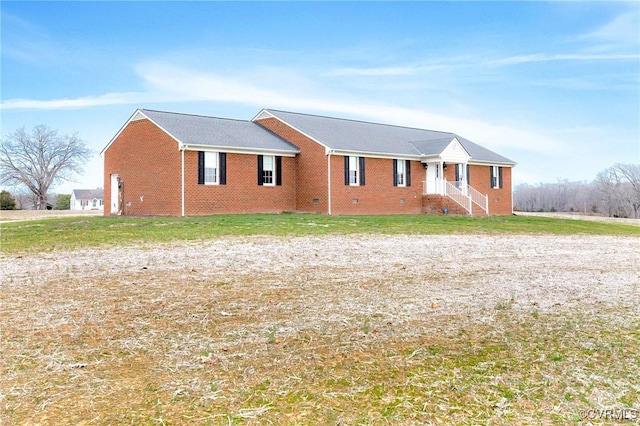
column 87, row 199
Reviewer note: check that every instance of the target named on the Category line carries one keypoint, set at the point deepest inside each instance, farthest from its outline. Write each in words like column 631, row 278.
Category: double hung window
column 401, row 173
column 496, row 177
column 354, row 171
column 212, row 168
column 269, row 170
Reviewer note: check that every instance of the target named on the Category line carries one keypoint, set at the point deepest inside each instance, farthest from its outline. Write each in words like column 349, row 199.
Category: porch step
column 435, row 204
column 477, row 210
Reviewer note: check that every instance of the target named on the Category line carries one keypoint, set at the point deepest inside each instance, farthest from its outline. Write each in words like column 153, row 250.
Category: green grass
column 74, row 233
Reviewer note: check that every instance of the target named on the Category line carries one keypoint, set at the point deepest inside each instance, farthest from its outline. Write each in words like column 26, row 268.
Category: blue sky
column 554, row 86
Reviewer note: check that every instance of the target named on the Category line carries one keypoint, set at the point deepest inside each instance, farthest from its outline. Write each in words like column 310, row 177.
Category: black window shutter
column 491, row 180
column 278, row 170
column 222, row 158
column 499, row 177
column 361, row 159
column 200, row 167
column 408, row 172
column 346, row 170
column 458, row 172
column 260, row 171
column 395, row 172
column 468, row 174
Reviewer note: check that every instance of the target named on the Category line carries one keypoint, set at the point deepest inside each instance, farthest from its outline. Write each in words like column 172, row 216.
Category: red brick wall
column 378, row 195
column 311, row 166
column 499, row 199
column 148, row 162
column 241, row 194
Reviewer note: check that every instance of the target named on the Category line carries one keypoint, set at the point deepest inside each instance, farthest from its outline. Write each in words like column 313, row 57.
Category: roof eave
column 369, row 154
column 239, row 150
column 492, row 163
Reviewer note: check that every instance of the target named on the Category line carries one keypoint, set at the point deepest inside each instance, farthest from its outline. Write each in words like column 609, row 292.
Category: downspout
column 329, row 152
column 182, row 149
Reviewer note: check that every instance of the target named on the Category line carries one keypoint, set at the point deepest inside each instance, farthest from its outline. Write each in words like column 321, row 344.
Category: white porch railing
column 464, row 195
column 453, row 192
column 479, row 198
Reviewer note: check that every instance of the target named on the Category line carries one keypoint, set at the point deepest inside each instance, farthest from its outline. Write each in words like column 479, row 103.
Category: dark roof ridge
column 359, row 121
column 195, row 115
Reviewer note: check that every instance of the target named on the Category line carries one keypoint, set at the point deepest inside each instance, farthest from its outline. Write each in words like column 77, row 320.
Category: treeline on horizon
column 615, row 192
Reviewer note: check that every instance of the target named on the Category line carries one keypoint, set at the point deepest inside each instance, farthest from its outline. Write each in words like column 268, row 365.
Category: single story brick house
column 87, row 199
column 165, row 163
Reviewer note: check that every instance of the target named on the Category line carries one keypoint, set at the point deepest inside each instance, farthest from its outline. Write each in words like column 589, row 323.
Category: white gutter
column 240, row 150
column 329, row 152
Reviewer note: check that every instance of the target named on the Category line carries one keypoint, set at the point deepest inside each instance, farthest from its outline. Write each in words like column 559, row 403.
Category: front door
column 434, row 178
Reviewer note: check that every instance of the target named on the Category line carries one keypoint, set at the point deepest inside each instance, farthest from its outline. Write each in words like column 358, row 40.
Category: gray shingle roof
column 218, row 132
column 361, row 136
column 88, row 194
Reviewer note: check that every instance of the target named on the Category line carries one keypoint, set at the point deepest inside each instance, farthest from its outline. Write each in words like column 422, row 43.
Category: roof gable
column 197, row 131
column 455, row 152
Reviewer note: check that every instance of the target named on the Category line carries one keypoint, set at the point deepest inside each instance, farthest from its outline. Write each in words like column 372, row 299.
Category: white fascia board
column 266, row 114
column 386, row 155
column 262, row 115
column 430, row 158
column 236, row 150
column 134, row 117
column 490, row 163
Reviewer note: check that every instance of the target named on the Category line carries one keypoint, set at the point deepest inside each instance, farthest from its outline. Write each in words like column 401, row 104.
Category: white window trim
column 356, row 162
column 495, row 177
column 272, row 170
column 401, row 173
column 208, row 157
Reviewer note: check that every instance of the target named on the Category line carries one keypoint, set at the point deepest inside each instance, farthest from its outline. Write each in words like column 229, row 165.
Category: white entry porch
column 458, row 190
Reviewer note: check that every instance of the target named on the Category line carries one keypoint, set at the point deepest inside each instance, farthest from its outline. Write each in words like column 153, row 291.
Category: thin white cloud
column 76, row 103
column 544, row 57
column 406, row 70
column 185, row 84
column 166, row 83
column 624, row 29
column 475, row 62
column 368, row 72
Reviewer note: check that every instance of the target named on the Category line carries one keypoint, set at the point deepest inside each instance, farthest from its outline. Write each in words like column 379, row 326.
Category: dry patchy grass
column 323, row 330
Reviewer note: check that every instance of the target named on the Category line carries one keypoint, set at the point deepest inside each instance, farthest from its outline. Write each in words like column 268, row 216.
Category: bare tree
column 619, row 189
column 631, row 173
column 40, row 159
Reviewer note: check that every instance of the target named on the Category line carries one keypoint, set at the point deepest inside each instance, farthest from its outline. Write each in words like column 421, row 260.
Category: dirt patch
column 320, row 329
